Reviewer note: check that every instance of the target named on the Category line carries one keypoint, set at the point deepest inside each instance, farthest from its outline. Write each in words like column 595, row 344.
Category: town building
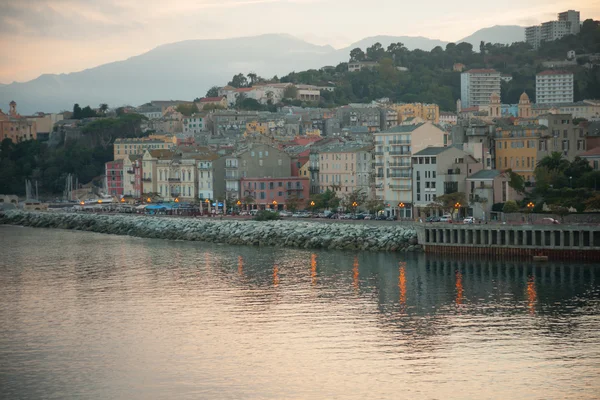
column 308, row 93
column 354, row 66
column 517, row 148
column 563, row 136
column 346, row 168
column 448, row 118
column 477, row 87
column 568, row 23
column 194, row 124
column 586, row 109
column 44, row 124
column 125, row 147
column 218, row 102
column 132, row 177
column 149, row 111
column 114, row 178
column 437, row 171
column 554, row 87
column 427, row 112
column 367, row 115
column 593, row 157
column 15, row 127
column 274, row 193
column 524, row 108
column 394, row 148
column 486, row 188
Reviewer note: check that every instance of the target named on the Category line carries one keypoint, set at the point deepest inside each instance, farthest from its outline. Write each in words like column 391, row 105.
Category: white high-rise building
column 553, row 87
column 568, row 23
column 477, row 86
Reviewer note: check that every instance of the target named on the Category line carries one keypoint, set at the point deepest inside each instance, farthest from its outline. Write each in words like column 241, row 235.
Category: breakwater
column 299, row 234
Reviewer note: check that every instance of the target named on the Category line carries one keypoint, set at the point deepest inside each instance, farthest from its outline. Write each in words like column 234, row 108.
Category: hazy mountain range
column 185, row 70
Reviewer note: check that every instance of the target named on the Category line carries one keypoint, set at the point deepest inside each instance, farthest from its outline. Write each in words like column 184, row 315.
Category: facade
column 568, row 23
column 256, row 161
column 477, row 87
column 517, row 148
column 132, row 179
column 593, row 157
column 15, row 127
column 437, row 171
column 206, row 177
column 219, row 101
column 44, row 124
column 393, row 151
column 345, row 169
column 149, row 111
column 427, row 112
column 354, row 66
column 114, row 178
column 524, row 108
column 448, row 118
column 389, row 118
column 308, row 93
column 136, row 146
column 563, row 136
column 586, row 109
column 554, row 87
column 193, row 124
column 274, row 193
column 486, row 188
column 366, row 115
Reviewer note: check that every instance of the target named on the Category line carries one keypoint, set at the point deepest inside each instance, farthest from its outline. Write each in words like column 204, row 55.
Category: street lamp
column 570, row 181
column 401, row 205
column 274, row 204
column 148, row 200
column 530, row 206
column 122, row 199
column 176, row 199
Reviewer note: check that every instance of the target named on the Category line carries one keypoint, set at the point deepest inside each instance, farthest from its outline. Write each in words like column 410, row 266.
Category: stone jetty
column 285, row 233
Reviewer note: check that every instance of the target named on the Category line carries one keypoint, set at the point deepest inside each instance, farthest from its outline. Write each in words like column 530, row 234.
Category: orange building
column 15, row 127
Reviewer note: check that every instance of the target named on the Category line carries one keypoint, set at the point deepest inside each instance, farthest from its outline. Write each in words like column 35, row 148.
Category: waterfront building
column 132, row 178
column 554, row 87
column 477, row 87
column 393, row 151
column 516, row 148
column 486, row 188
column 206, row 175
column 114, row 178
column 437, row 171
column 274, row 193
column 15, row 127
column 346, row 168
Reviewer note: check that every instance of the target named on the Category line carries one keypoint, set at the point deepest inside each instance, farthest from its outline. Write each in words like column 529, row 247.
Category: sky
column 61, row 36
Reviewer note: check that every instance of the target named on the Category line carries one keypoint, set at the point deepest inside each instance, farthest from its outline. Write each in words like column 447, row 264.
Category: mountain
column 504, row 34
column 182, row 70
column 185, row 70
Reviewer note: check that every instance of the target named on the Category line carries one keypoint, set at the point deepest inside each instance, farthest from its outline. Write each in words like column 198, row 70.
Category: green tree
column 293, row 203
column 212, row 92
column 103, row 108
column 447, row 202
column 290, row 92
column 516, row 181
column 238, row 81
column 554, row 162
column 357, row 55
column 187, row 109
column 510, row 206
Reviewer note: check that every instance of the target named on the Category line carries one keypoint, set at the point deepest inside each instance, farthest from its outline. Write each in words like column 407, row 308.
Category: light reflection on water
column 86, row 315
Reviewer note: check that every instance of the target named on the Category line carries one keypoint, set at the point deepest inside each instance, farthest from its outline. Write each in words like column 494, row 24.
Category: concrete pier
column 555, row 241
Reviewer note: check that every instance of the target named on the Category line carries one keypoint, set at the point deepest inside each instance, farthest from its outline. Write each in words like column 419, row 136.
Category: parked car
column 285, row 213
column 549, row 221
column 469, row 220
column 368, row 216
column 446, row 218
column 433, row 219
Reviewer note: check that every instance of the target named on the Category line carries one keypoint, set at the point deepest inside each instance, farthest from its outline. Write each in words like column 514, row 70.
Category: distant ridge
column 186, row 69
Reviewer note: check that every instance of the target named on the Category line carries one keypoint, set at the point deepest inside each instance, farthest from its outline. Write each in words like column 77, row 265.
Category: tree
column 187, row 109
column 293, row 203
column 290, row 92
column 593, row 203
column 374, row 206
column 212, row 92
column 375, row 52
column 76, row 111
column 238, row 81
column 253, row 78
column 510, row 206
column 482, row 47
column 516, row 181
column 356, row 196
column 357, row 55
column 447, row 202
column 553, row 162
column 103, row 108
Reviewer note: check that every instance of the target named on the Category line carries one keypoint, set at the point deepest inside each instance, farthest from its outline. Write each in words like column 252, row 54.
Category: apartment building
column 274, row 193
column 567, row 23
column 346, row 168
column 122, row 148
column 393, row 151
column 366, row 115
column 193, row 124
column 554, row 87
column 477, row 87
column 427, row 112
column 563, row 136
column 113, row 175
column 132, row 178
column 517, row 148
column 437, row 171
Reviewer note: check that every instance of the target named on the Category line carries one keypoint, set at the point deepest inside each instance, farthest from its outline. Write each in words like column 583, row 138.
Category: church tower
column 495, row 106
column 524, row 106
column 13, row 109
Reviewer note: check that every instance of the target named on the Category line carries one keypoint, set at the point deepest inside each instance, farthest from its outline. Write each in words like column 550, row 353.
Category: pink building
column 114, row 178
column 275, row 192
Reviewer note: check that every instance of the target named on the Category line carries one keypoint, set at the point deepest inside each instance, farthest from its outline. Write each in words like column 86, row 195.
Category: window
column 262, row 195
column 433, row 176
column 271, row 185
column 260, row 163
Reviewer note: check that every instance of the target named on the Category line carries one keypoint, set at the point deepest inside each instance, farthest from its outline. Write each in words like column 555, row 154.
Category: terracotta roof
column 481, row 71
column 211, row 99
column 247, row 89
column 595, row 152
column 554, row 72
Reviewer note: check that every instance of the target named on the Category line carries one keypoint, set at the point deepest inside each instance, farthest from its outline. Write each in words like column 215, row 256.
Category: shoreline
column 293, row 234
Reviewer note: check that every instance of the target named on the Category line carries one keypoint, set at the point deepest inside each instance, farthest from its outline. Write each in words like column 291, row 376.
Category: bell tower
column 13, row 109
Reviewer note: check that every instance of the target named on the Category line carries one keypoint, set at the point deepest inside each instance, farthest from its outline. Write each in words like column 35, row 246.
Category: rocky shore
column 298, row 234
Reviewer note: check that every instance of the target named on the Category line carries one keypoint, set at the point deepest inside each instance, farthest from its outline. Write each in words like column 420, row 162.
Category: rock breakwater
column 299, row 234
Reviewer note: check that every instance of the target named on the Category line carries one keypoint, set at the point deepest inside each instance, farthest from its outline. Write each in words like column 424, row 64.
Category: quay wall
column 286, row 233
column 557, row 242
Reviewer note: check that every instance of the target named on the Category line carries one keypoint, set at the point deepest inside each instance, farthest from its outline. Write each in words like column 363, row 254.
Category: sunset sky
column 61, row 36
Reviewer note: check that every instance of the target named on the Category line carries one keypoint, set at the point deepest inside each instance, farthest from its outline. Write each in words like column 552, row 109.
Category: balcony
column 313, row 168
column 379, row 164
column 400, row 166
column 295, row 188
column 231, row 166
column 147, row 179
column 399, row 153
column 400, row 187
column 397, row 142
column 378, row 153
column 130, row 171
column 175, row 194
column 204, row 167
column 174, row 179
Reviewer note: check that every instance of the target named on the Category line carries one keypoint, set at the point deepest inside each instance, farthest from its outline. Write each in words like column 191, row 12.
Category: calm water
column 93, row 316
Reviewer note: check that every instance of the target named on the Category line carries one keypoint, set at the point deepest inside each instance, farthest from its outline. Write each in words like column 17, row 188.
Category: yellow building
column 125, row 147
column 517, row 148
column 428, row 112
column 303, row 171
column 253, row 127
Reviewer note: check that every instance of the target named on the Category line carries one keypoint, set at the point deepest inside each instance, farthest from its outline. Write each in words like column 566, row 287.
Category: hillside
column 187, row 69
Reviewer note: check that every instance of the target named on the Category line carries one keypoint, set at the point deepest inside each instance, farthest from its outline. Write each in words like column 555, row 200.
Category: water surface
column 86, row 315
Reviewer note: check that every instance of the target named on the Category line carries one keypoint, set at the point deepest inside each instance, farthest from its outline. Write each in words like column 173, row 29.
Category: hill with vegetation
column 430, row 77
